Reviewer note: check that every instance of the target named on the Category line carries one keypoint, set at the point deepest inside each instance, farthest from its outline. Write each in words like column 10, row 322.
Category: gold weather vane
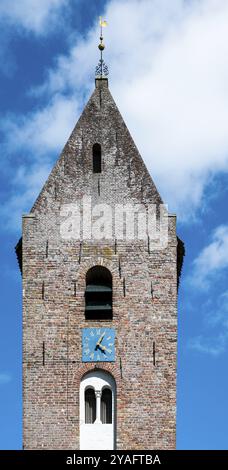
column 101, row 69
column 102, row 23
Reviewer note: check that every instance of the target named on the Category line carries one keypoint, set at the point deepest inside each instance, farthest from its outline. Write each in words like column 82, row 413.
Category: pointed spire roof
column 124, row 176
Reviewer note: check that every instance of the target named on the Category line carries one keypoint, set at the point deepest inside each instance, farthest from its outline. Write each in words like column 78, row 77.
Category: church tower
column 100, row 261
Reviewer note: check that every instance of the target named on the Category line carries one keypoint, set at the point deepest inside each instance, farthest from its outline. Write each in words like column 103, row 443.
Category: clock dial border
column 98, row 344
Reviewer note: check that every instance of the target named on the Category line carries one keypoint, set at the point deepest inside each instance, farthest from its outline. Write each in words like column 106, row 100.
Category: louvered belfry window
column 98, row 294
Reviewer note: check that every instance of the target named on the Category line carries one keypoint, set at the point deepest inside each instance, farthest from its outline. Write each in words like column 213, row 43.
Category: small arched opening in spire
column 96, row 158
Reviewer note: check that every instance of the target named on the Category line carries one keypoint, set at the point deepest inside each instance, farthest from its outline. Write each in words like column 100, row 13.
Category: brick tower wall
column 54, row 273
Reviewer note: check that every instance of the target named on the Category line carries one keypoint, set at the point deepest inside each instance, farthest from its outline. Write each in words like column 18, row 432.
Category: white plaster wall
column 96, row 437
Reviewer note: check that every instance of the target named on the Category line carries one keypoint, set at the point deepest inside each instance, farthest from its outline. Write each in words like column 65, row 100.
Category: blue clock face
column 98, row 345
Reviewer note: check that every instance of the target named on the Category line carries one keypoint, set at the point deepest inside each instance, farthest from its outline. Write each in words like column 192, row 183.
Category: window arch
column 90, row 406
column 106, row 406
column 98, row 294
column 96, row 158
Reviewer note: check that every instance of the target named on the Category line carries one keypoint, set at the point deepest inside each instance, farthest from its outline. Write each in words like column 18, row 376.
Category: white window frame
column 97, row 380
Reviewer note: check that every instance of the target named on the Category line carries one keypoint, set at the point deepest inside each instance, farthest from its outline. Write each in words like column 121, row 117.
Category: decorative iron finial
column 102, row 68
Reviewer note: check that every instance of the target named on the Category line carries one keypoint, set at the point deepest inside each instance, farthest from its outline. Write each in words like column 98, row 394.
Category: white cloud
column 38, row 16
column 25, row 189
column 219, row 314
column 169, row 78
column 168, row 75
column 214, row 345
column 36, row 138
column 212, row 259
column 42, row 131
column 215, row 339
column 207, row 272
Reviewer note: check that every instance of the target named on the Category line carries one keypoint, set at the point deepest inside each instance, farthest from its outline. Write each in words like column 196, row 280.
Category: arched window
column 106, row 406
column 97, row 419
column 96, row 158
column 90, row 406
column 98, row 294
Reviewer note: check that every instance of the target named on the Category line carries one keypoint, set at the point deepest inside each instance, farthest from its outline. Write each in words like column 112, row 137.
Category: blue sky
column 168, row 75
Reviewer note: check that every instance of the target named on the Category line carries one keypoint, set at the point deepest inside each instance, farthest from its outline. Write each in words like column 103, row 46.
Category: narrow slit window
column 90, row 406
column 106, row 406
column 96, row 158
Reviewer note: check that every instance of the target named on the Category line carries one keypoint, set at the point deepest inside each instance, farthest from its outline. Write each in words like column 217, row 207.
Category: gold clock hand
column 100, row 339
